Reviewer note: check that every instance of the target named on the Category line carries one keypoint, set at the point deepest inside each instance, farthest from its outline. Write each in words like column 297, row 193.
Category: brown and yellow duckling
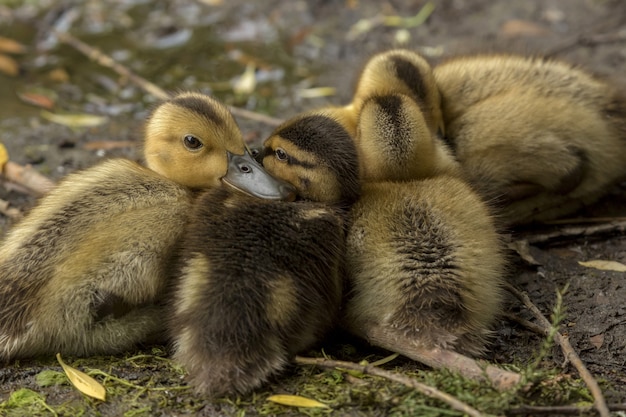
column 541, row 136
column 259, row 280
column 85, row 271
column 423, row 259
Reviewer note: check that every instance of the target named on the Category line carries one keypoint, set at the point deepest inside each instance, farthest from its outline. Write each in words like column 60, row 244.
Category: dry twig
column 438, row 358
column 153, row 89
column 568, row 351
column 392, row 376
column 614, row 227
column 559, row 409
column 27, row 176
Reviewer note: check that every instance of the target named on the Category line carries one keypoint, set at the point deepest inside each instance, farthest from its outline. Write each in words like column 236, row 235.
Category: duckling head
column 394, row 141
column 405, row 72
column 193, row 140
column 315, row 153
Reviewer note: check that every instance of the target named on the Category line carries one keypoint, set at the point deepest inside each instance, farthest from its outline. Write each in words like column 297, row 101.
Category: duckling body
column 86, row 270
column 423, row 262
column 260, row 281
column 539, row 137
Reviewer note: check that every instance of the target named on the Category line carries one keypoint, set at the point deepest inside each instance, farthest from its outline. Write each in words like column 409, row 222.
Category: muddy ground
column 296, row 46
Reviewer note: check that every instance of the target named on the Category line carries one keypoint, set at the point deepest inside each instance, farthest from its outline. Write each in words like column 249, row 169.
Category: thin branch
column 28, row 177
column 615, row 227
column 395, row 377
column 568, row 351
column 106, row 61
column 559, row 409
column 526, row 323
column 438, row 358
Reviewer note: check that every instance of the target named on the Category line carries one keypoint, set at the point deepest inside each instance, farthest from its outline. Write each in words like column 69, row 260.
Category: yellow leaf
column 9, row 66
column 317, row 92
column 296, row 401
column 604, row 265
column 83, row 382
column 10, row 46
column 247, row 82
column 4, row 156
column 74, row 120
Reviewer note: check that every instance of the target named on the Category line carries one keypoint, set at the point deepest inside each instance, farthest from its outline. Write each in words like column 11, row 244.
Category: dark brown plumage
column 259, row 282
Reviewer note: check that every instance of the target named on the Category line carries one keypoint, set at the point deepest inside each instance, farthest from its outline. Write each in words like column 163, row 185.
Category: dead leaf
column 11, row 46
column 108, row 145
column 296, row 401
column 4, row 156
column 597, row 341
column 9, row 66
column 517, row 27
column 59, row 75
column 74, row 120
column 317, row 92
column 247, row 81
column 45, row 100
column 83, row 382
column 604, row 265
column 522, row 247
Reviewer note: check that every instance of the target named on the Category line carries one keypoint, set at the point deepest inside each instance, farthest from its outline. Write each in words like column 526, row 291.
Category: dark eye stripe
column 200, row 107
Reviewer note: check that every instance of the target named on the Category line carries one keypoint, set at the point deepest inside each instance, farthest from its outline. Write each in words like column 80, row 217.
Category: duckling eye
column 192, row 143
column 281, row 155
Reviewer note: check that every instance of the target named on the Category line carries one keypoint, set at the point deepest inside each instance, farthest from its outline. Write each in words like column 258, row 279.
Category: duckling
column 541, row 137
column 423, row 258
column 84, row 272
column 397, row 108
column 260, row 281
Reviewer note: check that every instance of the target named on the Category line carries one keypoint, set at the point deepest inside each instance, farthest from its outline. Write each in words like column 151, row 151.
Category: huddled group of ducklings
column 381, row 216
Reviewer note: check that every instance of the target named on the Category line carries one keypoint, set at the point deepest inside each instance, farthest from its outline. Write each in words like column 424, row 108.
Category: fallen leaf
column 108, row 144
column 597, row 341
column 296, row 401
column 317, row 92
column 522, row 247
column 9, row 66
column 246, row 83
column 83, row 382
column 516, row 27
column 4, row 156
column 74, row 120
column 59, row 75
column 11, row 46
column 604, row 265
column 37, row 99
column 385, row 359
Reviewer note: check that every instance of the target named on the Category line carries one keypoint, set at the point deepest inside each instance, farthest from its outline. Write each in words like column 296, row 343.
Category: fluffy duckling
column 260, row 281
column 540, row 136
column 423, row 258
column 397, row 108
column 84, row 272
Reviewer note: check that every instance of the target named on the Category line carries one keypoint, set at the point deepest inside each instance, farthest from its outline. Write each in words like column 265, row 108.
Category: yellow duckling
column 395, row 118
column 423, row 259
column 85, row 271
column 259, row 282
column 540, row 136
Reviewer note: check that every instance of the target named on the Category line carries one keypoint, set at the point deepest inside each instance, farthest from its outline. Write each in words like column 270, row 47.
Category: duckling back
column 538, row 136
column 81, row 273
column 259, row 282
column 424, row 263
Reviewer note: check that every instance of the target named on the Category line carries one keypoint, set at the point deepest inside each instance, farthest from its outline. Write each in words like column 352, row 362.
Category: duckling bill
column 85, row 271
column 259, row 282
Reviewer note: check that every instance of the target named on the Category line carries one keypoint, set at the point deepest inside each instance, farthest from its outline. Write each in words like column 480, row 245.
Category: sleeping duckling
column 397, row 108
column 260, row 281
column 541, row 136
column 423, row 258
column 84, row 272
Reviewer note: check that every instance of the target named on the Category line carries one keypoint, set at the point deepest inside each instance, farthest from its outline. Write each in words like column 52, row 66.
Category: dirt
column 298, row 45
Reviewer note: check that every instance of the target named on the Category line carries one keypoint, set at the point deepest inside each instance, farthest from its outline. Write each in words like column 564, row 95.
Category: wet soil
column 297, row 45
